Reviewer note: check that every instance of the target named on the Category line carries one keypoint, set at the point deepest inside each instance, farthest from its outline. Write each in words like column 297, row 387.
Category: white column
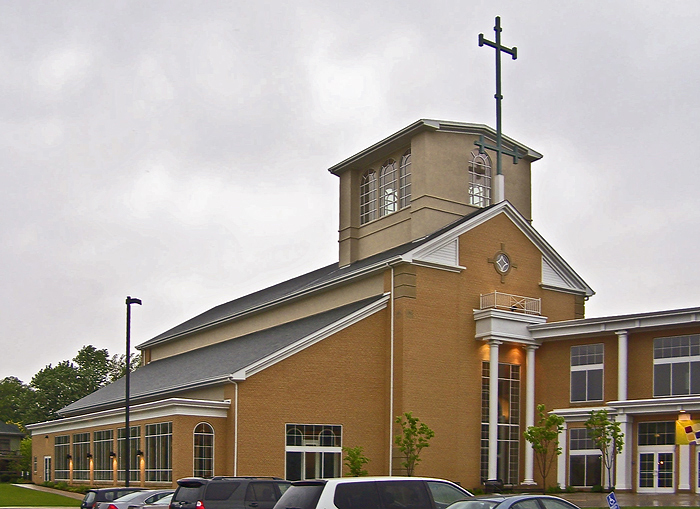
column 493, row 409
column 563, row 457
column 623, row 462
column 530, row 413
column 621, row 365
column 683, row 467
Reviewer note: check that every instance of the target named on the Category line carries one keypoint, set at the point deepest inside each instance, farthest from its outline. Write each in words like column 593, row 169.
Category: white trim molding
column 145, row 411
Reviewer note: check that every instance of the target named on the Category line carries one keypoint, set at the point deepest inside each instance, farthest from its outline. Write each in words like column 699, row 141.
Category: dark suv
column 228, row 492
column 97, row 495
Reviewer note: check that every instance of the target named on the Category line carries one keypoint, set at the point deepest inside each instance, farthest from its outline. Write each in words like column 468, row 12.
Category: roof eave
column 402, row 138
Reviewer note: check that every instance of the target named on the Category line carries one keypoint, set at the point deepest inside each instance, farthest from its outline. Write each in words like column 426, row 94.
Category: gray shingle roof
column 10, row 429
column 209, row 365
column 297, row 285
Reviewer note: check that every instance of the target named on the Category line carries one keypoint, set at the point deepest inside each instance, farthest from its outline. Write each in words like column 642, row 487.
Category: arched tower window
column 203, row 450
column 388, row 191
column 368, row 197
column 479, row 179
column 405, row 180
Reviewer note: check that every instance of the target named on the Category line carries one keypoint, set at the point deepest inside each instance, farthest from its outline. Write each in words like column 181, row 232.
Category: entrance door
column 47, row 468
column 656, row 471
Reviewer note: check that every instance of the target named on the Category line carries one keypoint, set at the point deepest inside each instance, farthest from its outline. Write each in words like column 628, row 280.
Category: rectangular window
column 677, row 366
column 135, row 441
column 103, row 444
column 657, row 433
column 313, row 451
column 508, row 421
column 587, row 373
column 61, row 450
column 585, row 460
column 159, row 445
column 81, row 462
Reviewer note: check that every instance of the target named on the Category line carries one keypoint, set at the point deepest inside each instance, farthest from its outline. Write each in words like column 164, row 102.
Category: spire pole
column 498, row 148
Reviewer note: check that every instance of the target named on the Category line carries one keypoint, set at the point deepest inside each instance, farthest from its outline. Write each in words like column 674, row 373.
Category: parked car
column 163, row 503
column 135, row 500
column 372, row 493
column 228, row 492
column 514, row 502
column 95, row 496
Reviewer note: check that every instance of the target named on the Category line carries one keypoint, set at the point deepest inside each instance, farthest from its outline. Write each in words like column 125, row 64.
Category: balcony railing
column 516, row 303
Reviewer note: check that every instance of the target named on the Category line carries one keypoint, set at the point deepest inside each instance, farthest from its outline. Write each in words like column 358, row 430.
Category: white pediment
column 555, row 278
column 445, row 254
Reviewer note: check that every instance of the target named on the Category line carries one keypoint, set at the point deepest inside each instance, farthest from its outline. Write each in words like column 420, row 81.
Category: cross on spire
column 481, row 143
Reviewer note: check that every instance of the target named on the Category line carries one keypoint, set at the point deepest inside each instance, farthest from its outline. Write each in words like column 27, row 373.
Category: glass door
column 656, row 472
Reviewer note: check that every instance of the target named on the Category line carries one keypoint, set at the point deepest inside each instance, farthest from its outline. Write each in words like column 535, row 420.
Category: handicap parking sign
column 612, row 501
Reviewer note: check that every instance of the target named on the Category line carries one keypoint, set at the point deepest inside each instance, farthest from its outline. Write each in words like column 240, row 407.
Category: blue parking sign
column 612, row 501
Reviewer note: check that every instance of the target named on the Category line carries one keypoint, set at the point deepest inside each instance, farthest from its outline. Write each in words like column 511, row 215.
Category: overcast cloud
column 178, row 151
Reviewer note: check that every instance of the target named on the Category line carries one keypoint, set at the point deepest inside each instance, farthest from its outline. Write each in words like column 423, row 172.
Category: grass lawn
column 13, row 496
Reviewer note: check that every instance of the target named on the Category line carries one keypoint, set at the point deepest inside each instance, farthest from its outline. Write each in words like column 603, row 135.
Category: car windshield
column 163, row 501
column 474, row 504
column 129, row 496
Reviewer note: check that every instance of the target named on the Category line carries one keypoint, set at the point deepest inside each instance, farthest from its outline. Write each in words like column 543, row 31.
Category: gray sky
column 177, row 151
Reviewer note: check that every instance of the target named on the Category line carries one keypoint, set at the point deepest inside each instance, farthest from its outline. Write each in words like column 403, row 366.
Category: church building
column 445, row 302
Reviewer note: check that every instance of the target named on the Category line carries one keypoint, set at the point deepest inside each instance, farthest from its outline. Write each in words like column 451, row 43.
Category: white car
column 372, row 493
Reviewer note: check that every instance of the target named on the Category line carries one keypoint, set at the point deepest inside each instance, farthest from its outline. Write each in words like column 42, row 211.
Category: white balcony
column 506, row 318
column 515, row 303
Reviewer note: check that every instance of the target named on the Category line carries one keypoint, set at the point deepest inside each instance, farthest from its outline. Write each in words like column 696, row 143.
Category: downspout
column 235, row 428
column 391, row 380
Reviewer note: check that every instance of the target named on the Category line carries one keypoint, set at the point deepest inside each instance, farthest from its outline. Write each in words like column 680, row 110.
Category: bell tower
column 421, row 179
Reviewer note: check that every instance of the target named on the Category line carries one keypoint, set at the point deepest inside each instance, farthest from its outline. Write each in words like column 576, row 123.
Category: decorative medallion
column 502, row 263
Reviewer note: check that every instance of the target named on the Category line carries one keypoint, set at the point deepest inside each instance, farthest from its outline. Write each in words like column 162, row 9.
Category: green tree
column 118, row 366
column 608, row 438
column 544, row 438
column 56, row 387
column 414, row 437
column 355, row 460
column 17, row 401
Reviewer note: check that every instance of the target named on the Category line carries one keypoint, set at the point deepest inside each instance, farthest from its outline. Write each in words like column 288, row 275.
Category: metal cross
column 513, row 52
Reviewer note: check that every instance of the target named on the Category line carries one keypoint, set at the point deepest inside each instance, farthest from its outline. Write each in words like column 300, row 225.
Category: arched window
column 405, row 180
column 479, row 179
column 388, row 192
column 203, row 450
column 295, row 437
column 368, row 197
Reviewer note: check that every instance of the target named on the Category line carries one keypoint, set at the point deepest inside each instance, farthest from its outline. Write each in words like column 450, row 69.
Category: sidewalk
column 69, row 494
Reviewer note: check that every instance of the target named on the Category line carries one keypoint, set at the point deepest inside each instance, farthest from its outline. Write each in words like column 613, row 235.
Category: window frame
column 158, row 439
column 208, row 450
column 587, row 363
column 368, row 197
column 314, row 446
column 405, row 180
column 480, row 192
column 103, row 466
column 680, row 357
column 388, row 188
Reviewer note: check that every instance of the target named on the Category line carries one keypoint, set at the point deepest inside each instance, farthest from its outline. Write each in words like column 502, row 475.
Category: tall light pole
column 127, row 455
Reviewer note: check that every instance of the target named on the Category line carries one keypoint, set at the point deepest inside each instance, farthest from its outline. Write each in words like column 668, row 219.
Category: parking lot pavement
column 634, row 499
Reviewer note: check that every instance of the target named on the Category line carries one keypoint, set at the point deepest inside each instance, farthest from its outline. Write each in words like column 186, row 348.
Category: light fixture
column 69, row 457
column 139, row 453
column 112, row 454
column 88, row 455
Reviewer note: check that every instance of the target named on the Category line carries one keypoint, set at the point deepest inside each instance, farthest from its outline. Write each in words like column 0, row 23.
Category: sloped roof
column 295, row 287
column 211, row 365
column 334, row 274
column 10, row 429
